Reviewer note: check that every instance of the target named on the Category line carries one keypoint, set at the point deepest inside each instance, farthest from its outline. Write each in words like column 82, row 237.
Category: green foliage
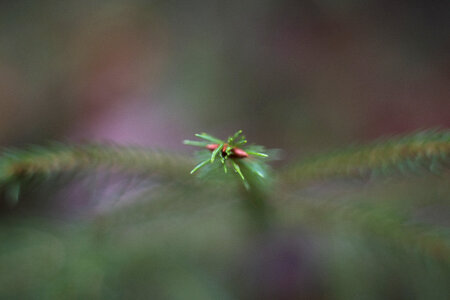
column 426, row 151
column 58, row 158
column 183, row 237
column 47, row 162
column 232, row 152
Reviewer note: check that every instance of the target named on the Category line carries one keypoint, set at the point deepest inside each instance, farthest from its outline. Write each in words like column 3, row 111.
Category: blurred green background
column 297, row 75
column 302, row 76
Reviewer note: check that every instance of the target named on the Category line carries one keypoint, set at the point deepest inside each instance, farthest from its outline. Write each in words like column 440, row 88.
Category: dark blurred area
column 297, row 75
column 301, row 76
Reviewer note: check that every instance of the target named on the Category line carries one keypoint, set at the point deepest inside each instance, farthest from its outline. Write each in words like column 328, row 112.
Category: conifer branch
column 60, row 158
column 426, row 151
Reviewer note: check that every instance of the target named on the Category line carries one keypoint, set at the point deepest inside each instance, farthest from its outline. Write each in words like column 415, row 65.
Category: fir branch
column 246, row 156
column 427, row 151
column 60, row 158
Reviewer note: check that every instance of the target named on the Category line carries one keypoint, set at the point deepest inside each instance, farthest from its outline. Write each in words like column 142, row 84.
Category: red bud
column 212, row 147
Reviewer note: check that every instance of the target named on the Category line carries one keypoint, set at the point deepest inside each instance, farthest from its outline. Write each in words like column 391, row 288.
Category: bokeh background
column 296, row 75
column 302, row 76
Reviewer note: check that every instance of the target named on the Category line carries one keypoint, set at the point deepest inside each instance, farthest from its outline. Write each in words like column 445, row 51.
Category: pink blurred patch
column 133, row 122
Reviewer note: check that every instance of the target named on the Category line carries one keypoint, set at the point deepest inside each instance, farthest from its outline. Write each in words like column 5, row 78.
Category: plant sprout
column 233, row 152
